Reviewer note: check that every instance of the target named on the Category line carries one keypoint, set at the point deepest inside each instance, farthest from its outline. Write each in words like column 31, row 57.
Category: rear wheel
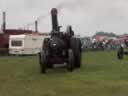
column 43, row 62
column 43, row 57
column 76, row 47
column 40, row 61
column 70, row 64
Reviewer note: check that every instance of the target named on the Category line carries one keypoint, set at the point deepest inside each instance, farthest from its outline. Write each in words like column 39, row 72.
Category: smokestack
column 4, row 21
column 54, row 19
column 36, row 26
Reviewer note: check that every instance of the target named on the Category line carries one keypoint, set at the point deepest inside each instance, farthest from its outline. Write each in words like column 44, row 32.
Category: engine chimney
column 54, row 13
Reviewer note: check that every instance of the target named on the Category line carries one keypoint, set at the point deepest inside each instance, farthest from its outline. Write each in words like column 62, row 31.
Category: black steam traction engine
column 60, row 47
column 122, row 50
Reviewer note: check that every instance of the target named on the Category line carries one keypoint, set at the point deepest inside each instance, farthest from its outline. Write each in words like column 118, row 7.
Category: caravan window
column 16, row 43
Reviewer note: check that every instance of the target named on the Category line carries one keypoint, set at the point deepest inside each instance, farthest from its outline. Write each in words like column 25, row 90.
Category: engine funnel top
column 54, row 17
column 54, row 11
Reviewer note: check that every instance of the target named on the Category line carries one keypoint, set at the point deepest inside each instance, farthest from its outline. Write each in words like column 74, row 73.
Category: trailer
column 26, row 44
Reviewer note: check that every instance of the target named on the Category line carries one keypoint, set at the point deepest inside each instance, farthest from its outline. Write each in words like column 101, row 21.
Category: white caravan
column 26, row 44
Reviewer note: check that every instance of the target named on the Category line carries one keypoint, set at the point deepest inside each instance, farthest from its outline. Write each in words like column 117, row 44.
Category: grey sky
column 86, row 16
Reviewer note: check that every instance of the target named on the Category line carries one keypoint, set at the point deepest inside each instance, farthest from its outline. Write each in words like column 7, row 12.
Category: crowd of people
column 101, row 45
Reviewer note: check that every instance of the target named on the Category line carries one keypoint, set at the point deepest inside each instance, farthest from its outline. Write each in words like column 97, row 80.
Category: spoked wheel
column 76, row 47
column 43, row 62
column 70, row 64
column 120, row 53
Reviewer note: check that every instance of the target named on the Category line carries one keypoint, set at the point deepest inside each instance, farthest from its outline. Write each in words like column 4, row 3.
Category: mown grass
column 101, row 75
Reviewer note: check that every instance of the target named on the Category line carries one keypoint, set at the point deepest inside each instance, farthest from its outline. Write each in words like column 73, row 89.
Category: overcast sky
column 86, row 16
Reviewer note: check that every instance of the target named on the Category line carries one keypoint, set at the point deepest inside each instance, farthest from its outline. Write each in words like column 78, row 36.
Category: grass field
column 101, row 75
